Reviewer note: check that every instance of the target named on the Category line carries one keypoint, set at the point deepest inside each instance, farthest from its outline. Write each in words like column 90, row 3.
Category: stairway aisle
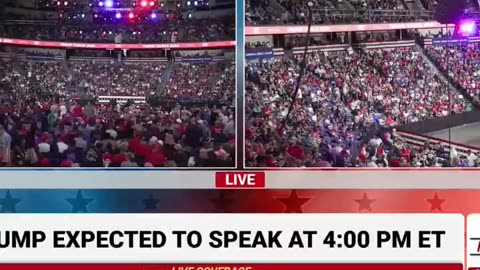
column 165, row 78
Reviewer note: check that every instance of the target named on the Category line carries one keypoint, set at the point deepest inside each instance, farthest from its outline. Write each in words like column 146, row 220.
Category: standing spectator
column 5, row 144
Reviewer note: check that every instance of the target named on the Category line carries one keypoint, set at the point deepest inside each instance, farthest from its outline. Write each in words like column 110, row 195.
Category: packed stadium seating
column 201, row 79
column 462, row 64
column 346, row 107
column 117, row 79
column 121, row 103
column 189, row 30
column 51, row 114
column 336, row 12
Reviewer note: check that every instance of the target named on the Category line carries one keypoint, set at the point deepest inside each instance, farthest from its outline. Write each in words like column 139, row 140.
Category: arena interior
column 362, row 83
column 117, row 83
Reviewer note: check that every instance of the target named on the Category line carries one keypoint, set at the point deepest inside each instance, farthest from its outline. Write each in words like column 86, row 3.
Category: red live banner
column 235, row 267
column 240, row 180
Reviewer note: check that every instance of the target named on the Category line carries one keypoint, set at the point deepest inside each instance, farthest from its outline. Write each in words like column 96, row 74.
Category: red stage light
column 143, row 3
column 58, row 3
column 131, row 15
column 152, row 3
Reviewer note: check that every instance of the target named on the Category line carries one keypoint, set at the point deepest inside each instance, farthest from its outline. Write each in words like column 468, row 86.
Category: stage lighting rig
column 109, row 3
column 146, row 3
column 196, row 3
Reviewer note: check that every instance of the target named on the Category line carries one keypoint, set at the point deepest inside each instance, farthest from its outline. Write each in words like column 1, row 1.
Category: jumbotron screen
column 239, row 135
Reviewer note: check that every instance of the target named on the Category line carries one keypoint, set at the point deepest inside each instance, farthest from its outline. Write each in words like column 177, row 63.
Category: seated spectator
column 169, row 31
column 336, row 12
column 462, row 64
column 50, row 115
column 343, row 99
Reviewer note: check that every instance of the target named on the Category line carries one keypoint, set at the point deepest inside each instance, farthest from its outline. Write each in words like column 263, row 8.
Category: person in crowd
column 346, row 109
column 50, row 115
column 258, row 12
column 179, row 29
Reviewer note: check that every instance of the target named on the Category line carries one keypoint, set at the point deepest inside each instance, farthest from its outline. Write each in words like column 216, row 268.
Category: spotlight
column 467, row 28
column 152, row 3
column 59, row 3
column 189, row 3
column 95, row 16
column 195, row 3
column 153, row 16
column 118, row 15
column 65, row 3
column 131, row 15
column 100, row 3
column 189, row 15
column 83, row 15
column 109, row 3
column 143, row 3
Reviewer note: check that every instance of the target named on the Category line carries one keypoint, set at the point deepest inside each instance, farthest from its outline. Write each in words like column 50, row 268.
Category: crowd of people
column 258, row 44
column 259, row 12
column 29, row 79
column 179, row 30
column 335, row 12
column 344, row 99
column 203, row 81
column 46, row 120
column 462, row 62
column 112, row 78
column 377, row 4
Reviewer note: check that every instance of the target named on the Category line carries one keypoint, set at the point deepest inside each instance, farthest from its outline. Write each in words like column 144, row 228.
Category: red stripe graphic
column 237, row 267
